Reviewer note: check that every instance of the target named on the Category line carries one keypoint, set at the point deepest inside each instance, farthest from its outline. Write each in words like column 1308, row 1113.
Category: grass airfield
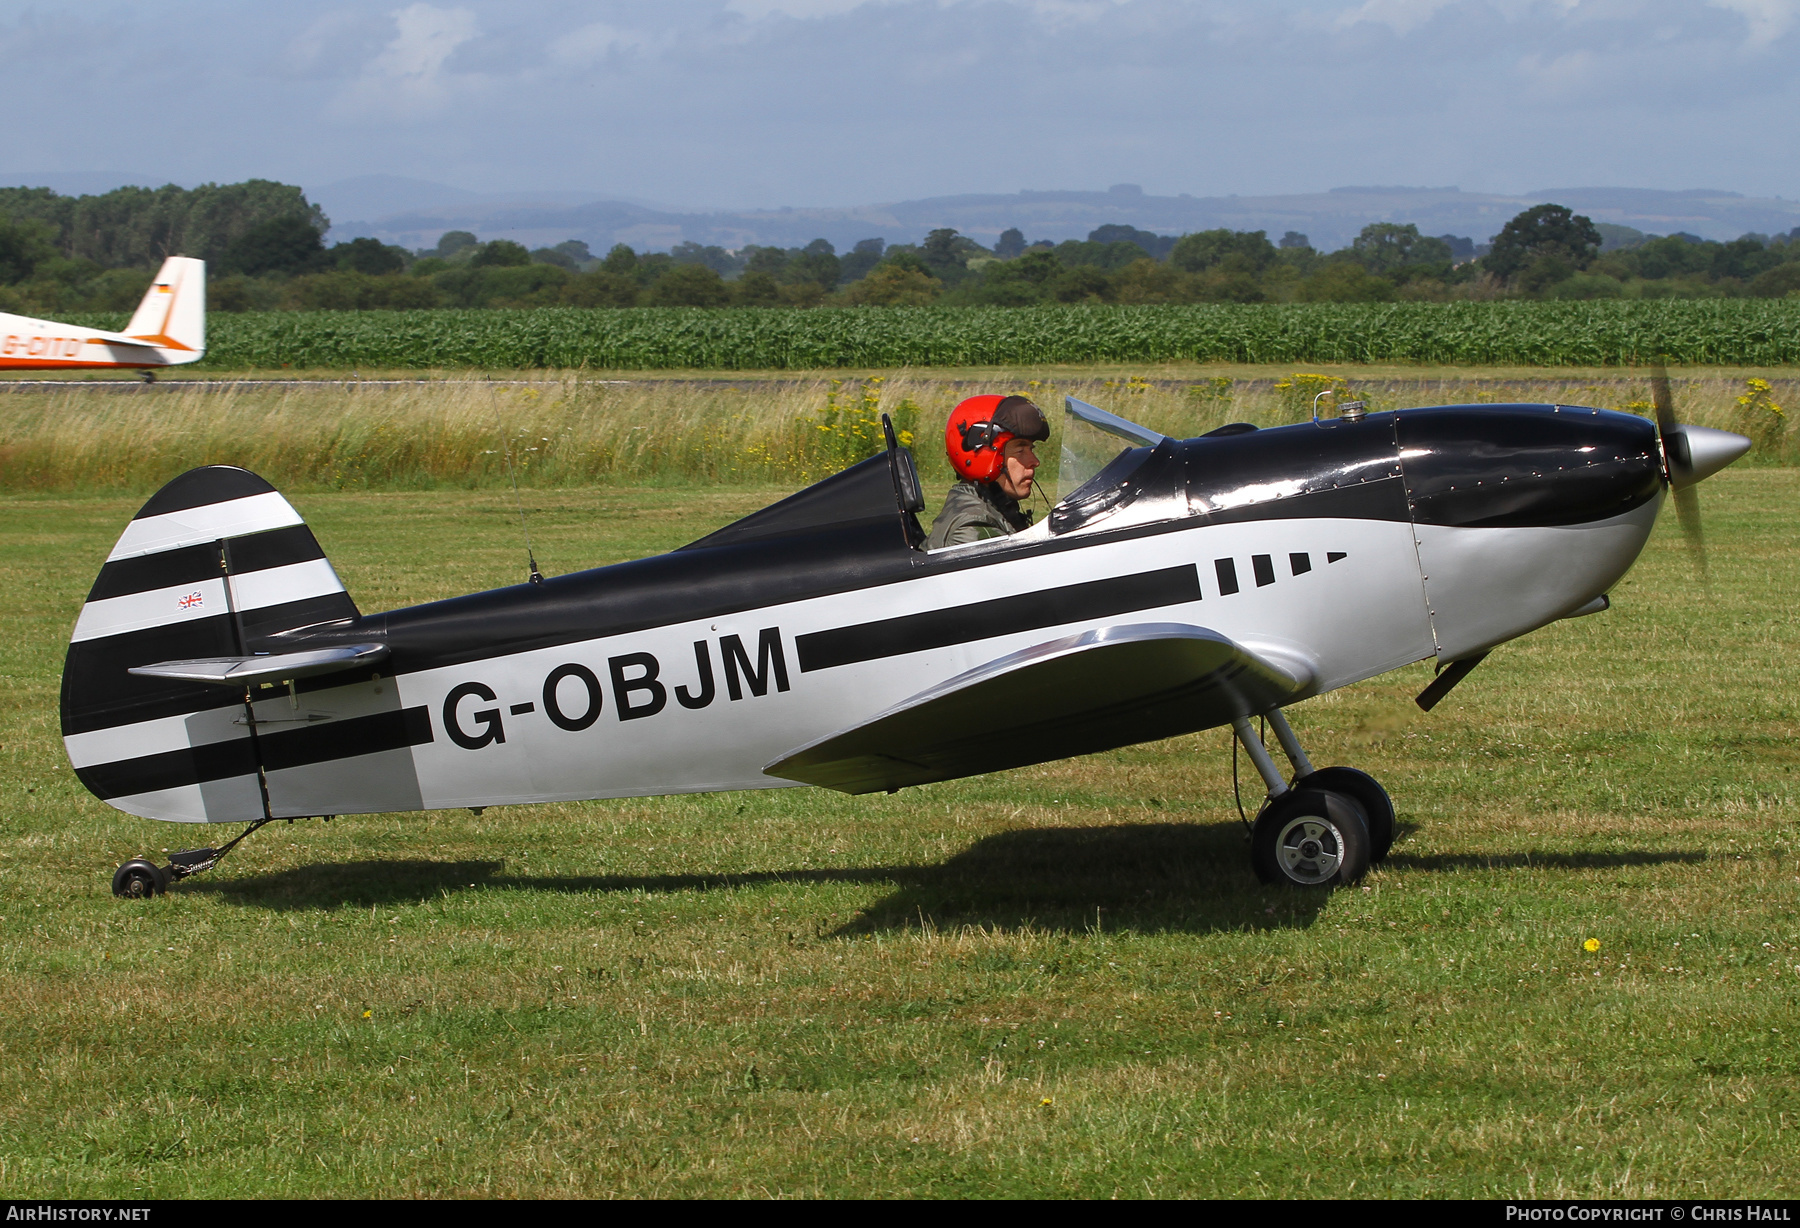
column 1059, row 981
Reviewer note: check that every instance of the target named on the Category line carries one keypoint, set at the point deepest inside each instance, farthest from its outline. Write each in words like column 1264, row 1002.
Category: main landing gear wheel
column 1310, row 838
column 1377, row 808
column 138, row 879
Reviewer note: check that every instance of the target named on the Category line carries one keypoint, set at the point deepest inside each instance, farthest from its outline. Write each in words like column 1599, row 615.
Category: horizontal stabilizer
column 267, row 667
column 1102, row 689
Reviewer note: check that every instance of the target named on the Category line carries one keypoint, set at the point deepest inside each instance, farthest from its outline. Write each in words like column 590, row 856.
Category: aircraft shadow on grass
column 1140, row 877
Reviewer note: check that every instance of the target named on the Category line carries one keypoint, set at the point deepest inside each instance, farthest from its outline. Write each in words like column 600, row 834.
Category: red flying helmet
column 979, row 428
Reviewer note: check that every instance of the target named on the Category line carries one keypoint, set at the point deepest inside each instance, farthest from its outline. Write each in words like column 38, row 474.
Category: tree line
column 265, row 247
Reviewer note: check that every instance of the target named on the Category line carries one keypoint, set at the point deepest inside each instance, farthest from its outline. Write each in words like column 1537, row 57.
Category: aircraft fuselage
column 1338, row 550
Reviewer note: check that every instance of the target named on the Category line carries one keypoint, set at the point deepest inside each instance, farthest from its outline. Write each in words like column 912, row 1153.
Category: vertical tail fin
column 215, row 564
column 173, row 313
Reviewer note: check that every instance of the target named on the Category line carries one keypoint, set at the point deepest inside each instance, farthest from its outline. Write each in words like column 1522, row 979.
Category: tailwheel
column 1377, row 807
column 1310, row 838
column 138, row 879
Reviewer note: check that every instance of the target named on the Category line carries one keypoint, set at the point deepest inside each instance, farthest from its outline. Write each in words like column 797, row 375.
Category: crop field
column 1058, row 981
column 1713, row 331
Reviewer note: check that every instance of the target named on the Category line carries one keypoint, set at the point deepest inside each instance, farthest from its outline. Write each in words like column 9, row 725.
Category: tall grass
column 1705, row 331
column 446, row 434
column 571, row 432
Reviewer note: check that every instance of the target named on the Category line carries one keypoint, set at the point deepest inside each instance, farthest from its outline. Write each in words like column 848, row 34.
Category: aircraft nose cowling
column 1514, row 466
column 1708, row 451
column 1523, row 513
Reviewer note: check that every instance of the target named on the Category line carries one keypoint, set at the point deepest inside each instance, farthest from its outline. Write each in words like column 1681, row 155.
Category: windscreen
column 1091, row 440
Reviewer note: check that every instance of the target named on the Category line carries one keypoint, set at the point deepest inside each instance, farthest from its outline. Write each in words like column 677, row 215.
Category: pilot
column 989, row 440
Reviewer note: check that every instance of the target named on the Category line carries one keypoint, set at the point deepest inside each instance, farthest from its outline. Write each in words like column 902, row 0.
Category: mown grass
column 570, row 430
column 1057, row 981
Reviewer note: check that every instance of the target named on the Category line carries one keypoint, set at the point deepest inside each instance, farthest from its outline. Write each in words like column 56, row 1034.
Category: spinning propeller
column 1690, row 454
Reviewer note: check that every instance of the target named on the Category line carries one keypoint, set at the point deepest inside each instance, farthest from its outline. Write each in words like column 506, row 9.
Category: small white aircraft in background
column 167, row 330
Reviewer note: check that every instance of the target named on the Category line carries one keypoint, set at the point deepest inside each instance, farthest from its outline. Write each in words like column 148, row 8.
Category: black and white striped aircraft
column 220, row 673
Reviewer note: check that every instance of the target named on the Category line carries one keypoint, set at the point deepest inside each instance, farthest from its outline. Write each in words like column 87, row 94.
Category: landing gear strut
column 1325, row 828
column 140, row 878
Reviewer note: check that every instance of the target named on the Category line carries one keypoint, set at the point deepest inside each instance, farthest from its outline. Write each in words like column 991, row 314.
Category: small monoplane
column 168, row 329
column 220, row 673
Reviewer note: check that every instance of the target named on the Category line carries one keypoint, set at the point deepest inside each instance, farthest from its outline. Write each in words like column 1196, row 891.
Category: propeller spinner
column 1690, row 455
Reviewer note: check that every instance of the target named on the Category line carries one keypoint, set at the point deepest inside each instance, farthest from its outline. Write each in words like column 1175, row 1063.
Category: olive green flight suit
column 974, row 511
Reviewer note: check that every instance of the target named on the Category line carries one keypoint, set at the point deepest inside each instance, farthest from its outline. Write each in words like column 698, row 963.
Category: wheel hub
column 1310, row 849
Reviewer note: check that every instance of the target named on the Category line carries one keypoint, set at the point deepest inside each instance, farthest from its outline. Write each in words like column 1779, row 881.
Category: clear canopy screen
column 1091, row 439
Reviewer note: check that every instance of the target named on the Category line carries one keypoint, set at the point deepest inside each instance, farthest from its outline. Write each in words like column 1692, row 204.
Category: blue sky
column 739, row 103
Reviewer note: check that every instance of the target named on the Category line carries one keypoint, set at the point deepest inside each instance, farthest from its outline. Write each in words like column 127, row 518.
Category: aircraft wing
column 1101, row 689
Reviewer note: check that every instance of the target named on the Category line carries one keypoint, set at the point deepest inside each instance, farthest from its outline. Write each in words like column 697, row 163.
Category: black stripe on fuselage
column 192, row 564
column 191, row 765
column 315, row 744
column 985, row 620
column 360, row 735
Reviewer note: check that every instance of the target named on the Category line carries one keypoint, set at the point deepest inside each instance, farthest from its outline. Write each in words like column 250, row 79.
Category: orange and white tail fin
column 173, row 313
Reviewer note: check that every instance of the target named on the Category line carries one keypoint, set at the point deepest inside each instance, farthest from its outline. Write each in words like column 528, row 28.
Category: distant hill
column 417, row 212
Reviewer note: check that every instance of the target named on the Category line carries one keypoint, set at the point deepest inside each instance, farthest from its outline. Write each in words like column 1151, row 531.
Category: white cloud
column 1561, row 73
column 1060, row 14
column 407, row 78
column 1401, row 16
column 592, row 43
column 1768, row 19
column 1057, row 12
column 336, row 44
column 757, row 9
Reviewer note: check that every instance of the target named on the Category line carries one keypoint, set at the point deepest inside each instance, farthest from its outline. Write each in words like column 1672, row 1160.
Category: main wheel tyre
column 1377, row 807
column 1310, row 838
column 138, row 879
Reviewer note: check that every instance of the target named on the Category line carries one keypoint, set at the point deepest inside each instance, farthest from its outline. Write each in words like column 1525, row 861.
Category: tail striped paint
column 216, row 564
